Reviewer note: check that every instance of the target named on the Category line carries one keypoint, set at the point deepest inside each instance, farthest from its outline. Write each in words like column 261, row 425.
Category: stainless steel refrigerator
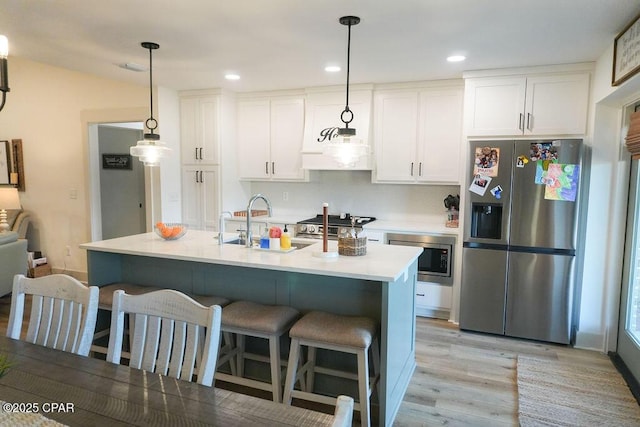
column 520, row 233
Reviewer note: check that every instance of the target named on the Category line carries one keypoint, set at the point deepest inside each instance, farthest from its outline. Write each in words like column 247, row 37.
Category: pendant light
column 4, row 79
column 347, row 149
column 150, row 149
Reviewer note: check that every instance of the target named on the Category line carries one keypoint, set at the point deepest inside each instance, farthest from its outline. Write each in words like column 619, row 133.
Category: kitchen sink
column 297, row 245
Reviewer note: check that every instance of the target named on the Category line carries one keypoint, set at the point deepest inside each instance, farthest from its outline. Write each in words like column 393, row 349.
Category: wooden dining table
column 84, row 391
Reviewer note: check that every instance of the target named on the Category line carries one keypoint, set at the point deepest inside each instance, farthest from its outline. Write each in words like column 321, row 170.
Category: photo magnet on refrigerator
column 521, row 161
column 497, row 192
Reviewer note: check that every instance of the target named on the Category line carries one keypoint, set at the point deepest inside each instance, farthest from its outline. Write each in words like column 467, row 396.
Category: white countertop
column 381, row 263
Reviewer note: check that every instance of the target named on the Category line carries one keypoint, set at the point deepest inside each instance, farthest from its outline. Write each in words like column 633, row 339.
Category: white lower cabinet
column 433, row 300
column 201, row 197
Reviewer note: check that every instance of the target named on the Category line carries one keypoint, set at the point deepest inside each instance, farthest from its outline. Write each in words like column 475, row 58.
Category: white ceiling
column 280, row 44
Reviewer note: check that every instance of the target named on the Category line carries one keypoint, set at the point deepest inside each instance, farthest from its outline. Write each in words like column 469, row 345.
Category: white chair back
column 173, row 335
column 343, row 415
column 63, row 312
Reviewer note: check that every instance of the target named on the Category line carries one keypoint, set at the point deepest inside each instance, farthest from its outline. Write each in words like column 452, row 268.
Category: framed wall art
column 116, row 161
column 17, row 169
column 626, row 53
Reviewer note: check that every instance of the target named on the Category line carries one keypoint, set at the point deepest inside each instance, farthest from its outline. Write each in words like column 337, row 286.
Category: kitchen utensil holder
column 352, row 246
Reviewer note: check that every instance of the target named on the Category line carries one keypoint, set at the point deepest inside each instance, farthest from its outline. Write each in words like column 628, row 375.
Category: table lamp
column 9, row 199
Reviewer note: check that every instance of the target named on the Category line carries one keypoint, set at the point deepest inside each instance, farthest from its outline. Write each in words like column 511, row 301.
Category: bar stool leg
column 292, row 368
column 274, row 351
column 311, row 368
column 363, row 387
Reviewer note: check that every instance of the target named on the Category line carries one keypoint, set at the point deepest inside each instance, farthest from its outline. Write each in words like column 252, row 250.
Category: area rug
column 554, row 393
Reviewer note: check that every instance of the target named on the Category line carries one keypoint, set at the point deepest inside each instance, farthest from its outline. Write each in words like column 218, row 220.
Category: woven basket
column 351, row 246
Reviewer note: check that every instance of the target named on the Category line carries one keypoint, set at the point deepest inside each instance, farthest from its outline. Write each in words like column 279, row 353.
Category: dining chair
column 343, row 414
column 174, row 335
column 63, row 312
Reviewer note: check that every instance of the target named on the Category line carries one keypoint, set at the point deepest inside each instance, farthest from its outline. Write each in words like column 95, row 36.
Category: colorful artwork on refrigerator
column 562, row 182
column 486, row 161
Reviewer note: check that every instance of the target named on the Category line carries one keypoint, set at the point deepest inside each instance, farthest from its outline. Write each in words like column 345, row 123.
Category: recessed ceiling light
column 232, row 77
column 332, row 68
column 456, row 58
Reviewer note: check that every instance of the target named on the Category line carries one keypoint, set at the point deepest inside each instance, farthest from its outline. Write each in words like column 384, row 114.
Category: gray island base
column 380, row 284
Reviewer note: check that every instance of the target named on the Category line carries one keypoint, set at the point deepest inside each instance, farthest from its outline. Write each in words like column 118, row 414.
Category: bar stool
column 347, row 334
column 105, row 302
column 249, row 319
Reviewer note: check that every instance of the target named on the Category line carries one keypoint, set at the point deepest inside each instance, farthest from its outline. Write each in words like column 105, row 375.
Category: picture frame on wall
column 626, row 53
column 4, row 162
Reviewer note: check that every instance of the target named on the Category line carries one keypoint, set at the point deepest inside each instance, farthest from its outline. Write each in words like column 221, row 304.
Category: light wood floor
column 461, row 378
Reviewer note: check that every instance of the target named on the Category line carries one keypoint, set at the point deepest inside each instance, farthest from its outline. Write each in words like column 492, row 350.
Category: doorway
column 628, row 348
column 122, row 194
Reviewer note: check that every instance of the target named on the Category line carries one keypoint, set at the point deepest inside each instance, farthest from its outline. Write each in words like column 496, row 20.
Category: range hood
column 322, row 120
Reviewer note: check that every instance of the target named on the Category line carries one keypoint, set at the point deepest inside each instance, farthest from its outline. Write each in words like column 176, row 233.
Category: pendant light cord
column 151, row 83
column 346, row 108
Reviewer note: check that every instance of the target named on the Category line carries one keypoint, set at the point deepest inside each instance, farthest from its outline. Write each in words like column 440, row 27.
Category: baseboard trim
column 590, row 341
column 632, row 382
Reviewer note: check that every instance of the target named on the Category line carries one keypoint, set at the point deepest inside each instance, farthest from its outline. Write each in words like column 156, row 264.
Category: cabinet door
column 396, row 133
column 253, row 133
column 191, row 200
column 200, row 197
column 494, row 106
column 557, row 105
column 287, row 132
column 189, row 122
column 439, row 148
column 199, row 130
column 210, row 196
column 209, row 109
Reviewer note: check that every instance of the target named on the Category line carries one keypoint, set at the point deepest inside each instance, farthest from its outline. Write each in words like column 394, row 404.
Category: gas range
column 312, row 228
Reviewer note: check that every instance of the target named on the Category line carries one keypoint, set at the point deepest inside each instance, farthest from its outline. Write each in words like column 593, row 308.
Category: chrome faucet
column 249, row 208
column 221, row 226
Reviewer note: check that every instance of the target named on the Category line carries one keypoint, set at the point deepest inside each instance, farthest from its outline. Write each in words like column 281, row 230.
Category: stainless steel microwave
column 435, row 264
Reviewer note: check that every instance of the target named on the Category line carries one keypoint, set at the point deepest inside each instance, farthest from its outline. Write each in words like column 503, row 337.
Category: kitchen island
column 380, row 284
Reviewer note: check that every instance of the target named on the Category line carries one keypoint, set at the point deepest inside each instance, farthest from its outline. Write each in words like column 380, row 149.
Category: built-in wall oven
column 435, row 264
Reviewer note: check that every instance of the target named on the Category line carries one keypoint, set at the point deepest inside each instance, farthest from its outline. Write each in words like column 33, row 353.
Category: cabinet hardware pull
column 197, row 177
column 521, row 122
column 266, row 168
column 200, row 153
column 196, row 154
column 420, row 169
column 201, row 177
column 420, row 295
column 273, row 168
column 529, row 121
column 411, row 168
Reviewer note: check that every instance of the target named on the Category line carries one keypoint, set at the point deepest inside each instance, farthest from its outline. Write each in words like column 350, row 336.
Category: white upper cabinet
column 418, row 135
column 199, row 129
column 270, row 132
column 536, row 105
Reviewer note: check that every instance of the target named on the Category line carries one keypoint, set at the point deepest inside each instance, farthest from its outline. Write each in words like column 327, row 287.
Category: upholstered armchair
column 13, row 259
column 19, row 221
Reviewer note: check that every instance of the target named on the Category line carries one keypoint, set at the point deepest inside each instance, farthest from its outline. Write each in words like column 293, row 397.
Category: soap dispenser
column 264, row 239
column 285, row 239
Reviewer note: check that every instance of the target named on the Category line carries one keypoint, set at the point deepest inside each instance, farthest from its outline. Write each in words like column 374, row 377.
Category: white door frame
column 90, row 120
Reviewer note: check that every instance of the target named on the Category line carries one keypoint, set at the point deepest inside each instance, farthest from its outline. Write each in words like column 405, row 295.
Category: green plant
column 5, row 364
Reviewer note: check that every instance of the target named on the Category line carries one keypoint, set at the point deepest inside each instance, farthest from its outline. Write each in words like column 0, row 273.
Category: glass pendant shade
column 149, row 151
column 347, row 151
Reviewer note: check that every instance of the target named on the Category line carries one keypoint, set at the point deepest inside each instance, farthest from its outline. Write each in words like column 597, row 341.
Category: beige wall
column 44, row 109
